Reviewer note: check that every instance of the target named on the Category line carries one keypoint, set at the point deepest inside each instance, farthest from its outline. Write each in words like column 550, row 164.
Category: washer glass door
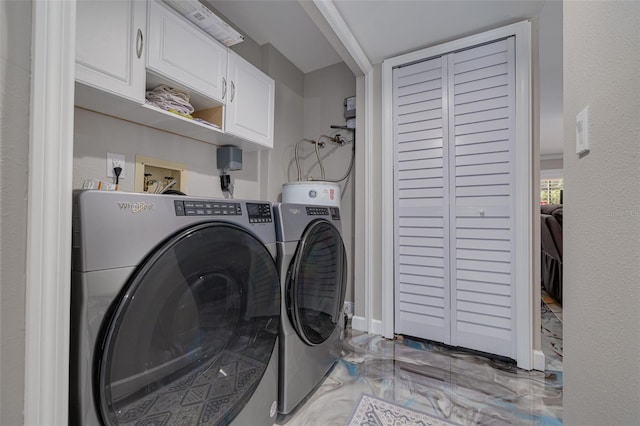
column 190, row 336
column 316, row 282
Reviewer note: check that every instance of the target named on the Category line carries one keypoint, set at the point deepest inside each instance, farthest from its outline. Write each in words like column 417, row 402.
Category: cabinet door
column 250, row 107
column 184, row 54
column 109, row 46
column 482, row 121
column 422, row 296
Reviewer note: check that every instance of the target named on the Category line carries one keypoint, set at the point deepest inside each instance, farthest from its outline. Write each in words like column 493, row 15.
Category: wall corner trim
column 337, row 23
column 48, row 272
column 328, row 9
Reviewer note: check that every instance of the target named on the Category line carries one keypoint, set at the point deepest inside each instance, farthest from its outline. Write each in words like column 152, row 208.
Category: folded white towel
column 167, row 98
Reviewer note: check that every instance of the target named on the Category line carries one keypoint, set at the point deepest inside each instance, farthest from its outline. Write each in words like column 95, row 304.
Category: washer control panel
column 317, row 211
column 206, row 208
column 335, row 213
column 259, row 212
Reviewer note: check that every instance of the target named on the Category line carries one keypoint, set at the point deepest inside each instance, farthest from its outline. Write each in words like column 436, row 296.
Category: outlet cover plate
column 110, row 161
column 348, row 308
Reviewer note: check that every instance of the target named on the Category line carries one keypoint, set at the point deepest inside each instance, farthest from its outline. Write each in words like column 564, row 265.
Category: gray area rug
column 372, row 411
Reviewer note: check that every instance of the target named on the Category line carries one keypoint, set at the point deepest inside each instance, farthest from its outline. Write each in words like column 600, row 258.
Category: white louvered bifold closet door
column 454, row 200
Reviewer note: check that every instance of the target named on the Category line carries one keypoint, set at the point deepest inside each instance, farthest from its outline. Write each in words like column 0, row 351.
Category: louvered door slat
column 484, row 287
column 423, row 135
column 479, row 116
column 485, row 298
column 417, row 114
column 435, row 182
column 483, row 73
column 481, row 106
column 482, row 148
column 486, row 169
column 492, row 136
column 434, row 291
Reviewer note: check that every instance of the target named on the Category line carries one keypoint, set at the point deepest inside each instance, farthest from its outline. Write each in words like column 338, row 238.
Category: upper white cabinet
column 250, row 103
column 180, row 51
column 125, row 47
column 110, row 46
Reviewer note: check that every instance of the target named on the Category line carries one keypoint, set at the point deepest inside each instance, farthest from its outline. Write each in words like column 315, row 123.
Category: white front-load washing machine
column 175, row 311
column 313, row 271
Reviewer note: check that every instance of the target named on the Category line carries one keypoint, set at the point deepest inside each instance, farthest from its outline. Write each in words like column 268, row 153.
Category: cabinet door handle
column 224, row 87
column 139, row 43
column 233, row 91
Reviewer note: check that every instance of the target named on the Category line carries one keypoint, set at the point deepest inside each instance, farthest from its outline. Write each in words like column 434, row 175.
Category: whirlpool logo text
column 138, row 207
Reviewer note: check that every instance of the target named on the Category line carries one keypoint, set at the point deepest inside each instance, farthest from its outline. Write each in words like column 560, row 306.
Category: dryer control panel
column 259, row 213
column 206, row 208
column 324, row 211
column 317, row 211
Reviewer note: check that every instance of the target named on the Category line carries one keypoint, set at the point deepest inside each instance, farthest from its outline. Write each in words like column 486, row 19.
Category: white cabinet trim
column 523, row 214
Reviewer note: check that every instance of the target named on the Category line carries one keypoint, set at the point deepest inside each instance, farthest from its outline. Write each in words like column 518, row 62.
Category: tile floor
column 461, row 387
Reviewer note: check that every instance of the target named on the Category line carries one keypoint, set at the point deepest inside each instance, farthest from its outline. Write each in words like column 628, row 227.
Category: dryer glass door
column 317, row 282
column 191, row 334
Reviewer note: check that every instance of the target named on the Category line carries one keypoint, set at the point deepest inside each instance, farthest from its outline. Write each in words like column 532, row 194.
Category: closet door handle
column 233, row 91
column 139, row 43
column 224, row 87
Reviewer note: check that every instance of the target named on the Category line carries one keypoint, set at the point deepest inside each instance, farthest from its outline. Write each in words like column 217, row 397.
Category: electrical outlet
column 115, row 160
column 348, row 308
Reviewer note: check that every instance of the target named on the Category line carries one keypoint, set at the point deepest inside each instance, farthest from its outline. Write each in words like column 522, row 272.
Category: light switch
column 582, row 131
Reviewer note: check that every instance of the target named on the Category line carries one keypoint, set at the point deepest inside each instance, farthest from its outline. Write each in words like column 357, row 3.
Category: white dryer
column 313, row 272
column 175, row 311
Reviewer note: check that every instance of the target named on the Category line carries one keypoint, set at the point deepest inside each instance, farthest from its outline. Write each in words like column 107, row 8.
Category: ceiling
column 387, row 28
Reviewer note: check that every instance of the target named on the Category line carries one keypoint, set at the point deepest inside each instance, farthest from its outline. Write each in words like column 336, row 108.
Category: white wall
column 324, row 93
column 15, row 72
column 289, row 120
column 602, row 215
column 96, row 134
column 548, row 37
column 551, row 164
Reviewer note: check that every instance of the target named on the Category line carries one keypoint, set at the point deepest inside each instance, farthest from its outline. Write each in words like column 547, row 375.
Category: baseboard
column 538, row 360
column 360, row 324
column 376, row 327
